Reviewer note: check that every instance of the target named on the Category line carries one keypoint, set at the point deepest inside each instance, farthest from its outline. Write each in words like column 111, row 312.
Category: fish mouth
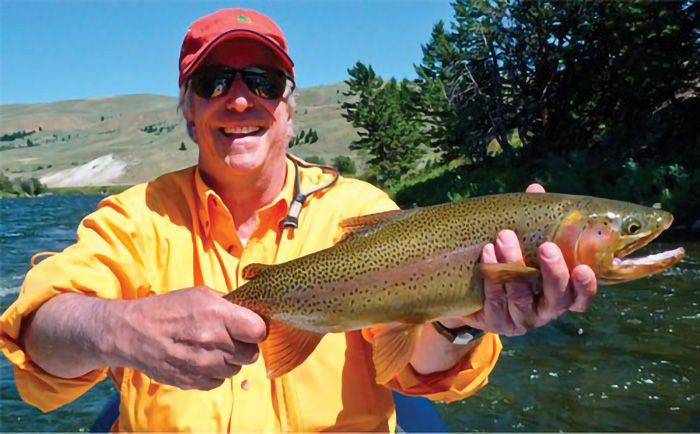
column 624, row 269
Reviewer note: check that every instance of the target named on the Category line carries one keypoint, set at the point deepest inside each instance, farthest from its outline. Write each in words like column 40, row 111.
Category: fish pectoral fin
column 363, row 224
column 393, row 347
column 252, row 271
column 286, row 348
column 506, row 273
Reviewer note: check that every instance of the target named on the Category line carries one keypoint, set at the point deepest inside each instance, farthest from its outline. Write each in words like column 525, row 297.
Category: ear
column 188, row 114
column 290, row 123
column 191, row 131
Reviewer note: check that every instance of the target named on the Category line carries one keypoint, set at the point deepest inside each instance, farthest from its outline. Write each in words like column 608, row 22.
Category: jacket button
column 245, row 385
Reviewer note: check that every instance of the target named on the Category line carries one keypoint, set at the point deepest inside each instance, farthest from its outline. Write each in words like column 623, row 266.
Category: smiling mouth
column 238, row 132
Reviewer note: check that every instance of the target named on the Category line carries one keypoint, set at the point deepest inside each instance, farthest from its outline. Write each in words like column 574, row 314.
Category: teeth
column 241, row 130
column 651, row 259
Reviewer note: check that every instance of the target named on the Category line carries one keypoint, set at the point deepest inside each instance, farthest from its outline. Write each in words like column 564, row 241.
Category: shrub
column 345, row 165
column 315, row 159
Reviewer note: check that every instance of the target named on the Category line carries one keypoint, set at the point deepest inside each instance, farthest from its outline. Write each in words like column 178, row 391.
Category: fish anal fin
column 252, row 271
column 393, row 348
column 286, row 348
column 506, row 273
column 363, row 224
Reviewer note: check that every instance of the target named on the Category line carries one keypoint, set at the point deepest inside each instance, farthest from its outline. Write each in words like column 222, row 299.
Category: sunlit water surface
column 631, row 363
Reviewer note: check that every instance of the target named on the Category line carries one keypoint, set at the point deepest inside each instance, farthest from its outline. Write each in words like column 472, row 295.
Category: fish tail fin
column 286, row 348
column 393, row 347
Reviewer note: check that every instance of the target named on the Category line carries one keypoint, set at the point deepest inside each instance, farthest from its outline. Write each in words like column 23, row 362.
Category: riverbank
column 104, row 190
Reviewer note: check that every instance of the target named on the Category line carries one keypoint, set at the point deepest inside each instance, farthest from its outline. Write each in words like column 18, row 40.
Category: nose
column 239, row 97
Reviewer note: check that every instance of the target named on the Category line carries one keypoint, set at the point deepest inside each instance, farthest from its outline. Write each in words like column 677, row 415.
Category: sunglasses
column 213, row 81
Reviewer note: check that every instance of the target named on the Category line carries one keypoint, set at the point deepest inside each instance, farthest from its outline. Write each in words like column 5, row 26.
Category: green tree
column 387, row 115
column 305, row 137
column 5, row 184
column 182, row 146
column 558, row 76
column 345, row 165
column 314, row 159
column 29, row 186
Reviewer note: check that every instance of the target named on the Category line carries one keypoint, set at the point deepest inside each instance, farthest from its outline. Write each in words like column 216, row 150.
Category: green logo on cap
column 243, row 18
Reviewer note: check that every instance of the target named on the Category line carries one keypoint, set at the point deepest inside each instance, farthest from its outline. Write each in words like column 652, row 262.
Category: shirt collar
column 208, row 200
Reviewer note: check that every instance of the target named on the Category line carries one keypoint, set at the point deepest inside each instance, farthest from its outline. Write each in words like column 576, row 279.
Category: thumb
column 535, row 188
column 244, row 325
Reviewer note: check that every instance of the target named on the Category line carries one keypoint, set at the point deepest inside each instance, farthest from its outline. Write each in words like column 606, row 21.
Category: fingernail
column 505, row 238
column 549, row 251
column 584, row 278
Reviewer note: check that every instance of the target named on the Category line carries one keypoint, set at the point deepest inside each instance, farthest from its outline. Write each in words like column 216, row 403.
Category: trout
column 398, row 270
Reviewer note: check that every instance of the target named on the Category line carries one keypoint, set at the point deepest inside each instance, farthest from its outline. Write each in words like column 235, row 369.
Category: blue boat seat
column 413, row 414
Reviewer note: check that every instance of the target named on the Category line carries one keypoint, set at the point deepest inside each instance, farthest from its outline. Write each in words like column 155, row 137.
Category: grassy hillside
column 143, row 131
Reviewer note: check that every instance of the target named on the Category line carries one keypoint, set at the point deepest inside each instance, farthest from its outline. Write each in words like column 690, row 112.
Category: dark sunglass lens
column 211, row 84
column 268, row 85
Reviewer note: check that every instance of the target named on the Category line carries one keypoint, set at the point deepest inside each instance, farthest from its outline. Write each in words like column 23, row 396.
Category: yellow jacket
column 175, row 233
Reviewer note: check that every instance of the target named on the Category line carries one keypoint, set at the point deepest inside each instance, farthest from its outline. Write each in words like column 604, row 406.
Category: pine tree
column 387, row 116
column 556, row 76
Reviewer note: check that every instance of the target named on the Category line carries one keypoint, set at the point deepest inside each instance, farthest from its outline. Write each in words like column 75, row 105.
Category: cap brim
column 240, row 33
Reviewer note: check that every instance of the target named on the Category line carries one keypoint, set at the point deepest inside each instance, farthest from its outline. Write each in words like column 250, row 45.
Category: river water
column 630, row 363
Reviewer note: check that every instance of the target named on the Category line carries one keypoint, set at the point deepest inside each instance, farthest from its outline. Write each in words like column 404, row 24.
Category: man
column 138, row 297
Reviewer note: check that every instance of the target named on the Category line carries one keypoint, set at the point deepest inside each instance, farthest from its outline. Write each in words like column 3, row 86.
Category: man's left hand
column 514, row 309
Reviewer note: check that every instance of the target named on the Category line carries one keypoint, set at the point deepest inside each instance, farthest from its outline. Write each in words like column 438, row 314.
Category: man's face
column 237, row 132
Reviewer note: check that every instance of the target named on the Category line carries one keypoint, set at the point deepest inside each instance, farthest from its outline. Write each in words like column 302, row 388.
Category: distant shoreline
column 105, row 190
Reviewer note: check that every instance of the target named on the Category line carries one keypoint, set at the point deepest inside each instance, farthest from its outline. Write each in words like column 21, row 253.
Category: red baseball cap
column 223, row 25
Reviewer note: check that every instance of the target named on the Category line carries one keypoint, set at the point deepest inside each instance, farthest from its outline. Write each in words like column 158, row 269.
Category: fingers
column 585, row 288
column 519, row 294
column 557, row 296
column 243, row 354
column 514, row 308
column 202, row 369
column 194, row 338
column 494, row 315
column 535, row 188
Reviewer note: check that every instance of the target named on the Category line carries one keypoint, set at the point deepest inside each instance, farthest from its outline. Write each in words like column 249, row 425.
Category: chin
column 244, row 163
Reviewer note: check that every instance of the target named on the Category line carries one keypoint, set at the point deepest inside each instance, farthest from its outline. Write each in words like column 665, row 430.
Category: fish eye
column 632, row 226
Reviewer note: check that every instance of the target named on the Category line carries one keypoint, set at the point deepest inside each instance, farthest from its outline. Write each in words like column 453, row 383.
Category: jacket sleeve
column 106, row 261
column 462, row 380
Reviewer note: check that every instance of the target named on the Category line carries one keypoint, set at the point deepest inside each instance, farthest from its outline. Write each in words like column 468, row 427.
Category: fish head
column 602, row 233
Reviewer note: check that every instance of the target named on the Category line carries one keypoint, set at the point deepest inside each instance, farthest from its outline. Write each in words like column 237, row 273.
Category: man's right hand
column 192, row 338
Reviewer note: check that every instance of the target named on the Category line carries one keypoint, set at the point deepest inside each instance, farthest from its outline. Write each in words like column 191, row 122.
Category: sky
column 59, row 50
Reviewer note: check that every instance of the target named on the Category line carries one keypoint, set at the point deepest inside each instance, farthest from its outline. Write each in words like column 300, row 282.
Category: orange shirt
column 175, row 233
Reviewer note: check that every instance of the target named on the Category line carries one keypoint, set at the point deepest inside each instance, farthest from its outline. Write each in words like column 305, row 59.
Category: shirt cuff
column 462, row 380
column 36, row 386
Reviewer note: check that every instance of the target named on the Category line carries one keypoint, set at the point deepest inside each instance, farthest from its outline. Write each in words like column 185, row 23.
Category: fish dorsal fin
column 506, row 273
column 251, row 271
column 286, row 348
column 393, row 347
column 363, row 224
